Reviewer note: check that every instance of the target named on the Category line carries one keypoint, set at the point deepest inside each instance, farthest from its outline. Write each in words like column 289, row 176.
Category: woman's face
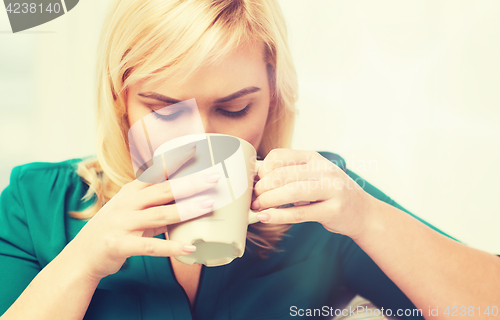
column 233, row 97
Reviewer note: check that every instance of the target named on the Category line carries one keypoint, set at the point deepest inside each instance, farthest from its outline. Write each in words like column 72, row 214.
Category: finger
column 284, row 157
column 284, row 175
column 163, row 165
column 291, row 193
column 295, row 214
column 174, row 159
column 165, row 192
column 159, row 216
column 140, row 246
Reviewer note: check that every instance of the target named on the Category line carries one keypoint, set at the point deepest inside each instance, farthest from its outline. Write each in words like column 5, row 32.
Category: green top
column 315, row 269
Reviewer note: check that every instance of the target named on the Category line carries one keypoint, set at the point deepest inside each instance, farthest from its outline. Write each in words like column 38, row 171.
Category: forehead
column 243, row 67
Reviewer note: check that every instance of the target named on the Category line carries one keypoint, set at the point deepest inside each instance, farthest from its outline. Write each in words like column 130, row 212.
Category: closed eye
column 167, row 117
column 243, row 112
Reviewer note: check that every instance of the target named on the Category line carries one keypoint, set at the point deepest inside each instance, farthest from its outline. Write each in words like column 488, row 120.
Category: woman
column 58, row 264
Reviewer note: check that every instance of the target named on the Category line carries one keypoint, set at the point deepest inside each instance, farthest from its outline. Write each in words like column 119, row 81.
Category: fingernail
column 207, row 203
column 188, row 248
column 212, row 177
column 256, row 205
column 188, row 147
column 263, row 217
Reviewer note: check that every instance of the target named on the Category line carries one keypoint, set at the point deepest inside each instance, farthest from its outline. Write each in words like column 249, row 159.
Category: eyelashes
column 168, row 117
column 238, row 114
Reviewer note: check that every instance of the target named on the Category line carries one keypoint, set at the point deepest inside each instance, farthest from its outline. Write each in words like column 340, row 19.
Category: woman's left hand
column 293, row 176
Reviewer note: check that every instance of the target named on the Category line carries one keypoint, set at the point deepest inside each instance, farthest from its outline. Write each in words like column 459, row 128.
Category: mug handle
column 252, row 215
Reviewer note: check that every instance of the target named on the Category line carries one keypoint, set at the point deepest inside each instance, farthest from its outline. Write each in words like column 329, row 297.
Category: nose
column 206, row 122
column 208, row 125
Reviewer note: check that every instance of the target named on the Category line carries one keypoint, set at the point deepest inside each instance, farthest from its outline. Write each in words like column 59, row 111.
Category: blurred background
column 405, row 91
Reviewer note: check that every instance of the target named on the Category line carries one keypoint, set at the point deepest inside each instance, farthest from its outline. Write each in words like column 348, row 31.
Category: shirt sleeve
column 18, row 263
column 363, row 276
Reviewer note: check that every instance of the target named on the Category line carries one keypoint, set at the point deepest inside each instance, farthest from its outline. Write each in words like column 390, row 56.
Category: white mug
column 220, row 235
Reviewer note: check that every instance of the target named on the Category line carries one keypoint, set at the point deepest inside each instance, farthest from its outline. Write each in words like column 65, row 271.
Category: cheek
column 131, row 118
column 135, row 112
column 253, row 136
column 131, row 112
column 255, row 128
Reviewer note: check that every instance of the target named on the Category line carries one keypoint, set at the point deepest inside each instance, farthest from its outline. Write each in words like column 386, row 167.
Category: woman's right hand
column 125, row 226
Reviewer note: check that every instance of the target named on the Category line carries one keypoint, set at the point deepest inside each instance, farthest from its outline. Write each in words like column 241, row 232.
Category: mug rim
column 228, row 135
column 199, row 134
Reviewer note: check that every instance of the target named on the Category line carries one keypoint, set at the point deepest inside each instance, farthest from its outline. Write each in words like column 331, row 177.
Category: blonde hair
column 146, row 40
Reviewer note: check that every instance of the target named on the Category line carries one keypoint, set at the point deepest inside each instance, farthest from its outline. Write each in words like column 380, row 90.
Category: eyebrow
column 232, row 96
